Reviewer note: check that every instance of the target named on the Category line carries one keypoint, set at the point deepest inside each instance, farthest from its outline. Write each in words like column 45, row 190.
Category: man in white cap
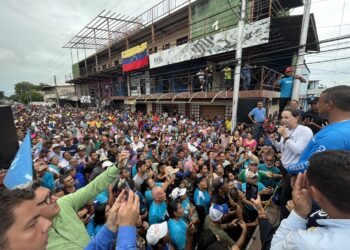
column 56, row 151
column 158, row 236
column 190, row 213
column 213, row 222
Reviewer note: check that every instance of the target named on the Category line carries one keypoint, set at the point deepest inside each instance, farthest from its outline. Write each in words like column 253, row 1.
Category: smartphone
column 126, row 162
column 127, row 189
column 251, row 191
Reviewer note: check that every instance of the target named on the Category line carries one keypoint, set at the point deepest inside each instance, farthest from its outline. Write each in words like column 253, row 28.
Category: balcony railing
column 261, row 78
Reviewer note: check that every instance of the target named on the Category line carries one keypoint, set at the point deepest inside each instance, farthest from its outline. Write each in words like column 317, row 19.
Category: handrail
column 217, row 94
column 161, row 96
column 179, row 95
column 205, row 96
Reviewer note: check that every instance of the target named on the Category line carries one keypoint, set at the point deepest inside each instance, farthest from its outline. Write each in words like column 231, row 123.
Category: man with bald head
column 158, row 208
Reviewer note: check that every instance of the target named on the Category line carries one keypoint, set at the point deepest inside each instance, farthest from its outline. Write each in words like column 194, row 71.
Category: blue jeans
column 257, row 130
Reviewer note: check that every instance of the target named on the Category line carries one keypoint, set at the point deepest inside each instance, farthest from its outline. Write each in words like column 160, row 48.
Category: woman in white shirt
column 294, row 138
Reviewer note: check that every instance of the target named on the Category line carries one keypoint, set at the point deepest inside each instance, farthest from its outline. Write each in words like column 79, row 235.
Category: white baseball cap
column 177, row 192
column 155, row 232
column 107, row 164
column 250, row 174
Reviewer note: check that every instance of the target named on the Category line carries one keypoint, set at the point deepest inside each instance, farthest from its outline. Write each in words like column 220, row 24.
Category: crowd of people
column 124, row 180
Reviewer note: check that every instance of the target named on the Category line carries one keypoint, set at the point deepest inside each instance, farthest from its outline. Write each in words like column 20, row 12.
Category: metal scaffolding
column 109, row 27
column 103, row 30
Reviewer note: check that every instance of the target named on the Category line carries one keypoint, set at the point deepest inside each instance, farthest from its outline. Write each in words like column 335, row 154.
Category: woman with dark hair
column 236, row 137
column 99, row 219
column 250, row 141
column 294, row 138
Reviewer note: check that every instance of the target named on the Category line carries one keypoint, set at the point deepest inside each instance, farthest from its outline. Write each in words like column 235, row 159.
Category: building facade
column 155, row 62
column 64, row 93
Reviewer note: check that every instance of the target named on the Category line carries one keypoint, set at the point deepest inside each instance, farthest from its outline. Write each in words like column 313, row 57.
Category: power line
column 340, row 29
column 263, row 54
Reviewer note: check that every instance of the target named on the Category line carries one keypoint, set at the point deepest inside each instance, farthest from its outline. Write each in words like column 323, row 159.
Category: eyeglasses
column 47, row 200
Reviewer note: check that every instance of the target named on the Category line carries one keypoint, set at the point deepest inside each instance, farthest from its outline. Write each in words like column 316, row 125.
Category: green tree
column 37, row 97
column 43, row 85
column 27, row 92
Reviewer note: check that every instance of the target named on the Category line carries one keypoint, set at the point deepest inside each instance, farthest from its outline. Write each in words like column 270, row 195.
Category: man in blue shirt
column 334, row 104
column 158, row 208
column 286, row 85
column 258, row 115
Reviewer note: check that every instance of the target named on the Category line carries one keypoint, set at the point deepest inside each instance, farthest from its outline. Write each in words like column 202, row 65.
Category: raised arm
column 82, row 196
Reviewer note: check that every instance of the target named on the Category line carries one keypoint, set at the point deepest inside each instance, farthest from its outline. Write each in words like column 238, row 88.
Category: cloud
column 329, row 15
column 33, row 33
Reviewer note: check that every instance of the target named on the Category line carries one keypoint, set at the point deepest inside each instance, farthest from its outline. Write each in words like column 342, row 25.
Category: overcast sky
column 33, row 33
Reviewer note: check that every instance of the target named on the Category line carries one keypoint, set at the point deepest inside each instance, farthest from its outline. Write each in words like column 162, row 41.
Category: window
column 116, row 62
column 166, row 46
column 155, row 49
column 181, row 40
column 150, row 51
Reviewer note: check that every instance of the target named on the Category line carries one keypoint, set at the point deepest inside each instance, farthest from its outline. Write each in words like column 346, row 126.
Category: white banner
column 255, row 33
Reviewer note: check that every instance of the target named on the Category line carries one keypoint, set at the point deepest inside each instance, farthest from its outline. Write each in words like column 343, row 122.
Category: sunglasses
column 85, row 216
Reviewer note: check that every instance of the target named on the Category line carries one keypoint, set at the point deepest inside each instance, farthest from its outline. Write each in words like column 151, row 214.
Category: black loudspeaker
column 8, row 137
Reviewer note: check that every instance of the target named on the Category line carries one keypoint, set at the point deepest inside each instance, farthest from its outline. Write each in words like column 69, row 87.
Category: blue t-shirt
column 157, row 213
column 186, row 205
column 143, row 203
column 133, row 171
column 261, row 186
column 79, row 180
column 102, row 197
column 93, row 229
column 202, row 198
column 286, row 84
column 335, row 136
column 177, row 231
column 259, row 114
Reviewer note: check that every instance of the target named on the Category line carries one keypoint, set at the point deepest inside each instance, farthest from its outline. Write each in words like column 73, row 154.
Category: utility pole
column 302, row 47
column 237, row 76
column 57, row 98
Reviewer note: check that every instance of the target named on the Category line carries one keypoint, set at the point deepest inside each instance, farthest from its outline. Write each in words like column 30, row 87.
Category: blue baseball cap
column 216, row 211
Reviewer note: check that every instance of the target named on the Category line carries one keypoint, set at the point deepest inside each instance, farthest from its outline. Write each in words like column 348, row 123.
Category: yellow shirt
column 227, row 72
column 228, row 125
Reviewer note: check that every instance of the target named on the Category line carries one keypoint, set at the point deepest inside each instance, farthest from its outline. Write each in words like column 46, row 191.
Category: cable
column 270, row 41
column 340, row 28
column 234, row 12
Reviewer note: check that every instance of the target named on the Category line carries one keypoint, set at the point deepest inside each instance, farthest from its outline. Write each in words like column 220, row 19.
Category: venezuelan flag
column 135, row 58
